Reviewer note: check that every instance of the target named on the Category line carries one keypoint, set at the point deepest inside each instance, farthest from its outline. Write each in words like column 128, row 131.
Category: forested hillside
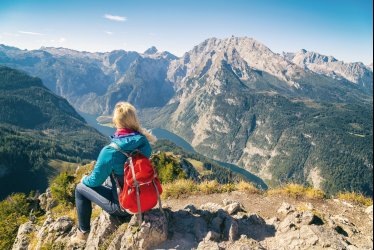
column 37, row 126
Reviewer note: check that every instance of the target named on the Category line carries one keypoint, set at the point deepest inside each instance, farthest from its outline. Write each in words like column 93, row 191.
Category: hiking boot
column 79, row 237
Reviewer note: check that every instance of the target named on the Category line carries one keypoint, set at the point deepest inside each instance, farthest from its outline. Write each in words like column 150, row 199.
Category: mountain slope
column 294, row 126
column 38, row 126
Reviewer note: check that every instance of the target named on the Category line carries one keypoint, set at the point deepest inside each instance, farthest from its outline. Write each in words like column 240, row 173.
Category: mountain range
column 301, row 117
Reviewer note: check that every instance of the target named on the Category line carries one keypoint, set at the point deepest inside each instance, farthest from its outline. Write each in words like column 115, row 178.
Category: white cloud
column 115, row 18
column 30, row 33
column 109, row 33
column 62, row 40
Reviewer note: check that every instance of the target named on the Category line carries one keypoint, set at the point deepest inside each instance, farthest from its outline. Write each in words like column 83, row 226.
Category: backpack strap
column 116, row 147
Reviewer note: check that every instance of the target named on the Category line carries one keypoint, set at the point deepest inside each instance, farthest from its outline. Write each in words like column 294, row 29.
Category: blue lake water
column 165, row 134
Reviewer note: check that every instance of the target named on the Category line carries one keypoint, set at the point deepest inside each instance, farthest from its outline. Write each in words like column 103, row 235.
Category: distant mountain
column 271, row 116
column 356, row 73
column 300, row 117
column 36, row 127
column 89, row 81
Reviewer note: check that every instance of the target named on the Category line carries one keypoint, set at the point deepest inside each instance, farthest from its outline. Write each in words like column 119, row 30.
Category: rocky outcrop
column 211, row 226
column 23, row 236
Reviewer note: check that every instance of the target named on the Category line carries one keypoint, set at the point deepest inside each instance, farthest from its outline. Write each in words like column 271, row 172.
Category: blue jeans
column 102, row 195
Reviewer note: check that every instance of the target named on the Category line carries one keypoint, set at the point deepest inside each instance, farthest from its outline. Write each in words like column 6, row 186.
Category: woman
column 129, row 136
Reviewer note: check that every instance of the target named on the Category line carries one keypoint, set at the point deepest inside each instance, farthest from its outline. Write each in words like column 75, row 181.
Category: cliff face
column 235, row 220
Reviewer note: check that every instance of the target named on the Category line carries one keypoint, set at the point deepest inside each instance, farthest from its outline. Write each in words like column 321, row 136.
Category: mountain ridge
column 237, row 101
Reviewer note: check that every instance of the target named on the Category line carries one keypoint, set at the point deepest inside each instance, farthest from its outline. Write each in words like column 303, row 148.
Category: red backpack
column 142, row 188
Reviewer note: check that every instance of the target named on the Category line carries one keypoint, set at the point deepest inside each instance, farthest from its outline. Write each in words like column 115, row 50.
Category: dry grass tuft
column 355, row 198
column 297, row 191
column 247, row 187
column 209, row 187
column 183, row 187
column 178, row 188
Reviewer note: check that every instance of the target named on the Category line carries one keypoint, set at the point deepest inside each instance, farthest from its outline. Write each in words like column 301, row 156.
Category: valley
column 294, row 117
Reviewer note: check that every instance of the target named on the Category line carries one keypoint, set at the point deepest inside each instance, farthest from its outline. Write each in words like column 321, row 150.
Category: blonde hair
column 124, row 116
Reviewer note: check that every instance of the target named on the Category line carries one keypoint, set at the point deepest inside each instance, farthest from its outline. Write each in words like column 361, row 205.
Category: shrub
column 62, row 188
column 14, row 211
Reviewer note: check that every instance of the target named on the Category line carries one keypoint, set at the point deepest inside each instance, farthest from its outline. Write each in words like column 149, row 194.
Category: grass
column 85, row 169
column 297, row 191
column 183, row 188
column 247, row 187
column 178, row 188
column 356, row 198
column 63, row 165
column 199, row 166
column 64, row 210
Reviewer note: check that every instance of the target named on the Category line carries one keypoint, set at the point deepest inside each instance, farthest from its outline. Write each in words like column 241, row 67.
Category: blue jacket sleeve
column 101, row 170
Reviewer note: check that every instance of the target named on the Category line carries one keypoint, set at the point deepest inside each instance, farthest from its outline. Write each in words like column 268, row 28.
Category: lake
column 165, row 134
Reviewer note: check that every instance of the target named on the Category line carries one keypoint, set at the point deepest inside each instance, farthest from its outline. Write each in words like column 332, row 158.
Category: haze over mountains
column 300, row 117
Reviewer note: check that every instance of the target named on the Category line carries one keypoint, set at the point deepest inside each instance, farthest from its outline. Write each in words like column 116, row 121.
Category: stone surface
column 286, row 208
column 212, row 226
column 152, row 232
column 23, row 236
column 101, row 228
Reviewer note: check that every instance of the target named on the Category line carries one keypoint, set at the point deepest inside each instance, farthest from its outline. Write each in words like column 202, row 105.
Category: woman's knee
column 79, row 189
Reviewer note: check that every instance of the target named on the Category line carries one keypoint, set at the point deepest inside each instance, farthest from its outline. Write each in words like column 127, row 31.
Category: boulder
column 152, row 232
column 308, row 237
column 101, row 228
column 46, row 202
column 62, row 225
column 23, row 236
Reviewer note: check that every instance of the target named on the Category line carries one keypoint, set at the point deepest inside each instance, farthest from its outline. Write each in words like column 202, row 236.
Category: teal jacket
column 112, row 160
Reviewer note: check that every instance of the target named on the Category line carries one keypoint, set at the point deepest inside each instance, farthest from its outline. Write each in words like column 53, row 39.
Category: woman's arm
column 102, row 168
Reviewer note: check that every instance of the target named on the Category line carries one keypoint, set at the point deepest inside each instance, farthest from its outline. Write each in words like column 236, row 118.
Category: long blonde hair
column 124, row 116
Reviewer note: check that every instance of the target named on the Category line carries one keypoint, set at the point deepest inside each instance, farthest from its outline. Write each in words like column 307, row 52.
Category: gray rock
column 190, row 208
column 208, row 245
column 230, row 229
column 23, row 236
column 152, row 232
column 286, row 208
column 212, row 236
column 233, row 208
column 211, row 207
column 101, row 228
column 62, row 225
column 369, row 210
column 309, row 237
column 342, row 225
column 46, row 201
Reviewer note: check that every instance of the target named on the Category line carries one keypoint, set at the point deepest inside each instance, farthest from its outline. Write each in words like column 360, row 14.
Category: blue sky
column 342, row 28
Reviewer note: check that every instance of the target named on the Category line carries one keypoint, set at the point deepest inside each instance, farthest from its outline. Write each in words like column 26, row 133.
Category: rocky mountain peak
column 152, row 50
column 355, row 72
